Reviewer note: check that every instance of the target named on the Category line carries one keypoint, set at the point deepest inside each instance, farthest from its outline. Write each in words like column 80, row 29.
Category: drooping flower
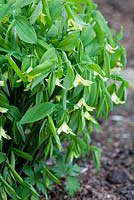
column 110, row 49
column 116, row 99
column 81, row 103
column 65, row 129
column 3, row 134
column 3, row 110
column 57, row 82
column 74, row 26
column 90, row 117
column 80, row 81
column 1, row 83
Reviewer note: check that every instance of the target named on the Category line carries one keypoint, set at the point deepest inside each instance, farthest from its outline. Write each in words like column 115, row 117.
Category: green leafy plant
column 59, row 66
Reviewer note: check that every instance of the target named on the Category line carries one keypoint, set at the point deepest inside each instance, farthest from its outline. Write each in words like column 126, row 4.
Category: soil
column 115, row 180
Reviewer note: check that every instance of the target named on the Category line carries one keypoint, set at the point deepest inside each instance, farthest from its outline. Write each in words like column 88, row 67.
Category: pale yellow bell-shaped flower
column 89, row 117
column 1, row 83
column 3, row 134
column 57, row 82
column 80, row 81
column 3, row 110
column 81, row 103
column 74, row 26
column 65, row 129
column 116, row 99
column 110, row 49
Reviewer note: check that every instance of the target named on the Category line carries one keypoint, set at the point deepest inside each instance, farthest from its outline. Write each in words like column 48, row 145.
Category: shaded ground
column 115, row 180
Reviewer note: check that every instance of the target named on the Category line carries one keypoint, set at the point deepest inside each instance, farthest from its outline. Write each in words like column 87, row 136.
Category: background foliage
column 59, row 66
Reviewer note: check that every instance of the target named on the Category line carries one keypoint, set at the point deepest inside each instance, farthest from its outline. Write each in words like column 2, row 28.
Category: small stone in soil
column 127, row 192
column 117, row 177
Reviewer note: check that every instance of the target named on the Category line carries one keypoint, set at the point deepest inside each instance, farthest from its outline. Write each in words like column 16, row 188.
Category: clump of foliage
column 58, row 77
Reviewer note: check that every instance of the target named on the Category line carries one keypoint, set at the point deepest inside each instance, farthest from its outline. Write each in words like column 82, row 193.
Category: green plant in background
column 59, row 75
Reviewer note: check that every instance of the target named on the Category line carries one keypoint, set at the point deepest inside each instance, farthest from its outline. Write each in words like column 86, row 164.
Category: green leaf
column 103, row 24
column 14, row 112
column 21, row 3
column 15, row 174
column 117, row 77
column 25, row 30
column 51, row 83
column 55, row 8
column 45, row 67
column 54, row 132
column 3, row 157
column 119, row 35
column 69, row 78
column 22, row 154
column 16, row 68
column 96, row 156
column 53, row 32
column 50, row 54
column 74, row 170
column 21, row 131
column 107, row 64
column 50, row 175
column 4, row 10
column 3, row 194
column 37, row 112
column 36, row 13
column 87, row 35
column 4, row 102
column 96, row 68
column 8, row 188
column 72, row 185
column 69, row 42
column 39, row 79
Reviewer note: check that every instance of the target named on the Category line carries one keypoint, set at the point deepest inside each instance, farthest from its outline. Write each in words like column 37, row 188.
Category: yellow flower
column 74, row 26
column 81, row 103
column 3, row 110
column 65, row 128
column 57, row 82
column 3, row 134
column 110, row 49
column 116, row 99
column 1, row 83
column 89, row 117
column 42, row 18
column 80, row 81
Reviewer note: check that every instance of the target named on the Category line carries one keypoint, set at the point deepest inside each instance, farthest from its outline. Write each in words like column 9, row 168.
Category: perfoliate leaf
column 9, row 189
column 22, row 3
column 3, row 157
column 16, row 68
column 96, row 156
column 4, row 10
column 45, row 67
column 87, row 35
column 36, row 12
column 69, row 42
column 22, row 154
column 37, row 112
column 69, row 78
column 25, row 30
column 55, row 7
